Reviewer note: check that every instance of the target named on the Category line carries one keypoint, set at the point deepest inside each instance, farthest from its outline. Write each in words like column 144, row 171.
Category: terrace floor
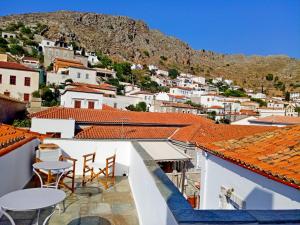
column 90, row 205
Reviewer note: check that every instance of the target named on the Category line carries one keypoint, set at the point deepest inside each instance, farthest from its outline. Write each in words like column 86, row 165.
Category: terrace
column 144, row 196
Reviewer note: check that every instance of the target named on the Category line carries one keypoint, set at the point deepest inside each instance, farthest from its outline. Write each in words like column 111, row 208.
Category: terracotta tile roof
column 84, row 89
column 215, row 107
column 57, row 60
column 12, row 138
column 126, row 132
column 15, row 66
column 203, row 133
column 177, row 105
column 177, row 96
column 274, row 154
column 248, row 112
column 102, row 86
column 278, row 120
column 94, row 116
column 142, row 93
column 107, row 107
column 30, row 58
column 2, row 96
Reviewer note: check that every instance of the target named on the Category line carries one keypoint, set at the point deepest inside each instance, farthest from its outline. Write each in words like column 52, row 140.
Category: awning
column 163, row 151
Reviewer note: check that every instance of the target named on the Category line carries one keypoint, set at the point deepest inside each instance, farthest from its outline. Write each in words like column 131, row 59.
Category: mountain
column 126, row 39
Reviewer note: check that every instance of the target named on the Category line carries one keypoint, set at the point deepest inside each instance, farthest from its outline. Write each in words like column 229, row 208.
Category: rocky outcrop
column 126, row 39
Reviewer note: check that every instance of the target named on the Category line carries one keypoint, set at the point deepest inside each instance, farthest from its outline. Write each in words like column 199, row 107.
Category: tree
column 140, row 107
column 269, row 77
column 235, row 93
column 17, row 50
column 173, row 73
column 36, row 94
column 287, row 96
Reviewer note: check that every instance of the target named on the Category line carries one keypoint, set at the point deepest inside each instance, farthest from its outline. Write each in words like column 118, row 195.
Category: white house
column 186, row 91
column 145, row 96
column 18, row 81
column 199, row 80
column 257, row 95
column 80, row 75
column 46, row 43
column 92, row 58
column 233, row 177
column 82, row 97
column 8, row 35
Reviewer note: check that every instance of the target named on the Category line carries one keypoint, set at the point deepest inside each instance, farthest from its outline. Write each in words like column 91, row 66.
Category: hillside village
column 62, row 73
column 176, row 128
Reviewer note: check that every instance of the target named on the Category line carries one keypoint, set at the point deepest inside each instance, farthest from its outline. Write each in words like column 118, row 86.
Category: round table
column 31, row 199
column 57, row 167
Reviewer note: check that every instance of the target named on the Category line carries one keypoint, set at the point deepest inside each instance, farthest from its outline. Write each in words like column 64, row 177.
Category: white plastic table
column 31, row 199
column 57, row 167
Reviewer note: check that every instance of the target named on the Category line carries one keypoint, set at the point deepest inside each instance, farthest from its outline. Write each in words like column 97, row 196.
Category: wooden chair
column 104, row 172
column 52, row 152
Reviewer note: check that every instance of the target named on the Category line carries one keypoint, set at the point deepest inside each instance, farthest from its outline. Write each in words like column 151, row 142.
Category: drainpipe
column 183, row 177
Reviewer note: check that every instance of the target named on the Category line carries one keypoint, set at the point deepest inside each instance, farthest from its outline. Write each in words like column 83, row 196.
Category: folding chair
column 104, row 172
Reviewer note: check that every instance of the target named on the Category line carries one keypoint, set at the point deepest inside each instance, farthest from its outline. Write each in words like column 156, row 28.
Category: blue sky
column 260, row 27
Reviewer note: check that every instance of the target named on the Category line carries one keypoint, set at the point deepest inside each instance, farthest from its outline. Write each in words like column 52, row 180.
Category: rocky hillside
column 126, row 39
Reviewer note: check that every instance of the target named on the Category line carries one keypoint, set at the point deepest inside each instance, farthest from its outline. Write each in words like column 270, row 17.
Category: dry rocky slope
column 126, row 39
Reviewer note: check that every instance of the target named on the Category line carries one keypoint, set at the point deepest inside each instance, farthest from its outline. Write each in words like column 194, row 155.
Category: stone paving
column 90, row 205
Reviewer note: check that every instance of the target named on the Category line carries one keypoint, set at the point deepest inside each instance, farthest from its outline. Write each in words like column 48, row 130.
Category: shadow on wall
column 259, row 199
column 90, row 220
column 260, row 180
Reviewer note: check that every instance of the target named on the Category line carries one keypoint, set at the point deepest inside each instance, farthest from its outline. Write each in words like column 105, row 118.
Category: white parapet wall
column 66, row 128
column 15, row 167
column 77, row 148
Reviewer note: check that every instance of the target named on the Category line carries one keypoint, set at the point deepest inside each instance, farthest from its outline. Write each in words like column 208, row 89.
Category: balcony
column 144, row 196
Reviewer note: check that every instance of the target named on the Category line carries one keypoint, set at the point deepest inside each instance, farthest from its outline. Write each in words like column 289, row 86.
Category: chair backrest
column 110, row 166
column 48, row 154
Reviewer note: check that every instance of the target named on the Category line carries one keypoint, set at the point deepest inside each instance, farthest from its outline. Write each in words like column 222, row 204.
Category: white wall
column 76, row 148
column 43, row 126
column 121, row 101
column 69, row 97
column 257, row 191
column 15, row 167
column 152, row 208
column 76, row 74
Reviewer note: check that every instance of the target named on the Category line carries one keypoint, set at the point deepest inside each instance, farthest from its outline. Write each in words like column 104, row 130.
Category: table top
column 32, row 199
column 52, row 165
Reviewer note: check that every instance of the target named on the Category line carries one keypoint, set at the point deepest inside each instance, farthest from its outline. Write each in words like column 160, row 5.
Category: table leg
column 48, row 217
column 36, row 221
column 39, row 176
column 8, row 216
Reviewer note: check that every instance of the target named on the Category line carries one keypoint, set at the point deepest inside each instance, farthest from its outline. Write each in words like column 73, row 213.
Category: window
column 77, row 104
column 0, row 78
column 91, row 105
column 12, row 80
column 27, row 81
column 78, row 75
column 6, row 93
column 26, row 97
column 87, row 76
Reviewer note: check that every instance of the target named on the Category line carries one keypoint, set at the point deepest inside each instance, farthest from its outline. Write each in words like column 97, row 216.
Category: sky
column 253, row 27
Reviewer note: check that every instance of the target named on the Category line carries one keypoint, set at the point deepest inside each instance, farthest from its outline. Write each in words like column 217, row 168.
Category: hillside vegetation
column 125, row 39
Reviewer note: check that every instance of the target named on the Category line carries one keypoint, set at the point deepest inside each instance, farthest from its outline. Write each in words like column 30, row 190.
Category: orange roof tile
column 177, row 96
column 126, row 132
column 274, row 154
column 95, row 116
column 83, row 89
column 278, row 119
column 102, row 86
column 15, row 66
column 12, row 138
column 203, row 133
column 107, row 107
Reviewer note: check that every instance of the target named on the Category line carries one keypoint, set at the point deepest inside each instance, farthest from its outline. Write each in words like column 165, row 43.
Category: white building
column 46, row 43
column 199, row 80
column 92, row 58
column 80, row 75
column 82, row 97
column 18, row 81
column 232, row 177
column 186, row 91
column 145, row 96
column 8, row 35
column 258, row 95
